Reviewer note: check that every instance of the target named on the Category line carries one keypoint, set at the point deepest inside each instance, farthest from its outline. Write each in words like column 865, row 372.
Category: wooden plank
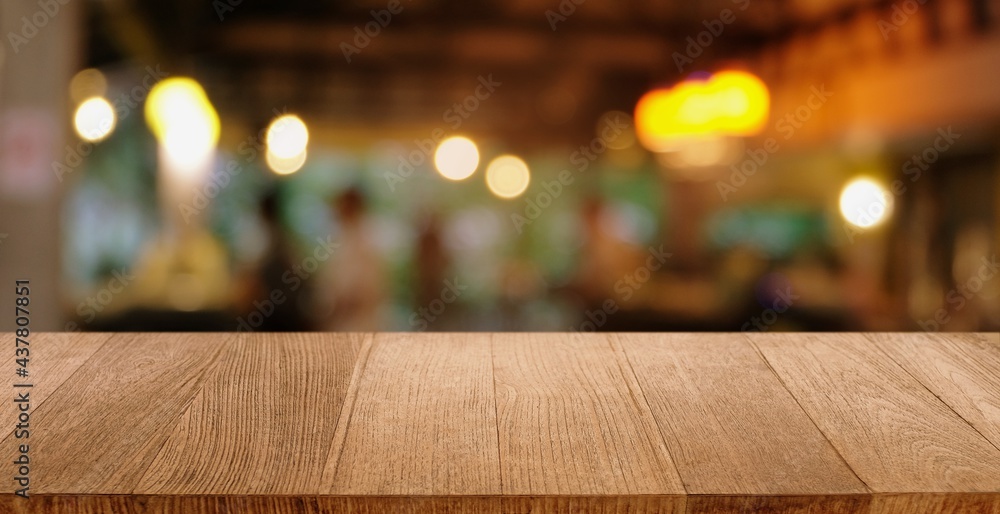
column 963, row 370
column 101, row 430
column 280, row 504
column 571, row 504
column 574, row 421
column 955, row 503
column 811, row 504
column 730, row 426
column 895, row 434
column 54, row 356
column 423, row 421
column 140, row 504
column 282, row 395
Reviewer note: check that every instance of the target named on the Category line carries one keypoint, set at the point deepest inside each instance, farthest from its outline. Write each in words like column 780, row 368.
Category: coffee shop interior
column 518, row 165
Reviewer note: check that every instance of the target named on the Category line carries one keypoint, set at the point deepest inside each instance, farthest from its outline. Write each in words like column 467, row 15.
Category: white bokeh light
column 94, row 119
column 287, row 137
column 456, row 158
column 865, row 203
column 507, row 176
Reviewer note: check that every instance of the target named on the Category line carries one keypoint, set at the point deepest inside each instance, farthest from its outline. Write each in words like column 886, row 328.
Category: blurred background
column 520, row 165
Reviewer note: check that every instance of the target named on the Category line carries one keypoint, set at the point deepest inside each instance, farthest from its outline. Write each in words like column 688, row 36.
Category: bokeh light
column 94, row 119
column 507, row 176
column 456, row 158
column 287, row 137
column 731, row 103
column 86, row 84
column 283, row 166
column 653, row 119
column 179, row 113
column 865, row 203
column 703, row 151
column 741, row 102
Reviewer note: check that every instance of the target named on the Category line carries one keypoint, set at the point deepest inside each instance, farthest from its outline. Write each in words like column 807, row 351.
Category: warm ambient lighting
column 182, row 118
column 729, row 103
column 283, row 166
column 507, row 176
column 742, row 102
column 86, row 84
column 94, row 119
column 456, row 158
column 287, row 137
column 865, row 203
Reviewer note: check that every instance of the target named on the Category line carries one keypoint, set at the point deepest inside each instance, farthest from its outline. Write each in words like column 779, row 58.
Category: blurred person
column 604, row 257
column 432, row 261
column 272, row 276
column 351, row 287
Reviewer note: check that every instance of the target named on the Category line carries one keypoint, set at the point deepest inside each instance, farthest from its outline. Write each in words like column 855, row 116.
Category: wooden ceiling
column 257, row 56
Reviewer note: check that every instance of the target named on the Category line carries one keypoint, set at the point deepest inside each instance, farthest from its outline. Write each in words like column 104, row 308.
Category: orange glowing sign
column 732, row 103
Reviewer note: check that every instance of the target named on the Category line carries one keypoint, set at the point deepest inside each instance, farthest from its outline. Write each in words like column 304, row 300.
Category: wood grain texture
column 963, row 370
column 229, row 504
column 961, row 503
column 779, row 504
column 895, row 434
column 141, row 504
column 573, row 419
column 571, row 504
column 423, row 421
column 54, row 358
column 512, row 423
column 101, row 430
column 730, row 425
column 271, row 407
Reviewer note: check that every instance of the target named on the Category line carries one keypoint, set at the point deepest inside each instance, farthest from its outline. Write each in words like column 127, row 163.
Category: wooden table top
column 324, row 423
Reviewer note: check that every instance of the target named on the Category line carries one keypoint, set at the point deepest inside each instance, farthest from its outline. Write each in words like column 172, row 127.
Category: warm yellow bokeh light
column 177, row 106
column 86, row 84
column 865, row 203
column 731, row 103
column 456, row 158
column 703, row 151
column 286, row 166
column 507, row 176
column 94, row 119
column 287, row 137
column 653, row 119
column 742, row 102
